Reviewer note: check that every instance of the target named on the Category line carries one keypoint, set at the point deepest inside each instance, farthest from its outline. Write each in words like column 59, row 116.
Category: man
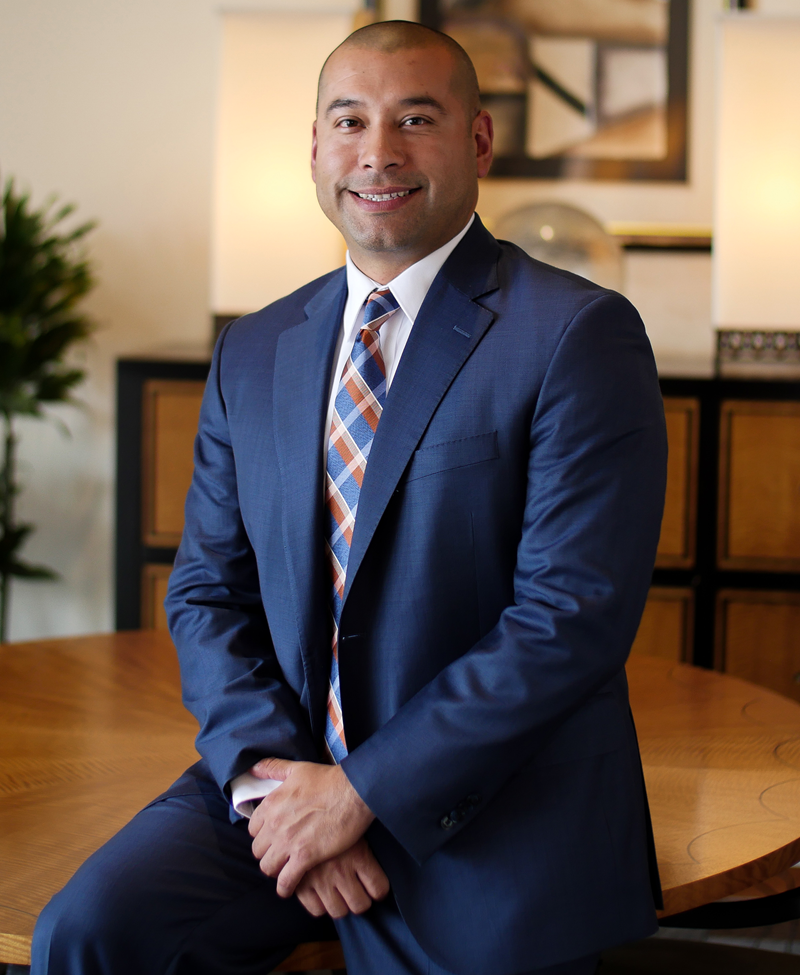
column 418, row 543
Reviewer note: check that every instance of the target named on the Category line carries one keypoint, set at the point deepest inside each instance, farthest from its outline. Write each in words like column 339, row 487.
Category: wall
column 672, row 291
column 111, row 103
column 263, row 190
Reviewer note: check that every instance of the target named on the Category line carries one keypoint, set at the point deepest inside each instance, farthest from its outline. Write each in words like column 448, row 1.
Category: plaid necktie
column 357, row 410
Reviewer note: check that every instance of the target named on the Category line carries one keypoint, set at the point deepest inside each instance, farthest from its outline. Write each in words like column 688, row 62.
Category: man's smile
column 383, row 200
column 379, row 195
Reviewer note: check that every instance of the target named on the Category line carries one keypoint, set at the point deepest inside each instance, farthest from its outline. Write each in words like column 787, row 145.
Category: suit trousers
column 178, row 892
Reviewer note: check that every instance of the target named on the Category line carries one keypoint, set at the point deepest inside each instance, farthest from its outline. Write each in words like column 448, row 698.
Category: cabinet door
column 154, row 591
column 676, row 545
column 758, row 638
column 759, row 491
column 170, row 411
column 666, row 627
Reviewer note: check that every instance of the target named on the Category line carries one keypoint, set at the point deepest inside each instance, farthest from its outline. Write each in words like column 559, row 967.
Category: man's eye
column 415, row 120
column 347, row 123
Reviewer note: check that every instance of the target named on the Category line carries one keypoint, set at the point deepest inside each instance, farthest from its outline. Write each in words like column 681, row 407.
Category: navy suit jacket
column 501, row 557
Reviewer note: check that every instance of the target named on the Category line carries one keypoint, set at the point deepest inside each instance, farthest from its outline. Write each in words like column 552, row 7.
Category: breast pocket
column 435, row 458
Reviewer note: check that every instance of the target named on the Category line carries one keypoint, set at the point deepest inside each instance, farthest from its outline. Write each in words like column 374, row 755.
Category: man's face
column 396, row 156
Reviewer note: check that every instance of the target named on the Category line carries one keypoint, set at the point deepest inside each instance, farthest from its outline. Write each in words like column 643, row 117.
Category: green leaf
column 55, row 387
column 44, row 275
column 19, row 401
column 24, row 570
column 11, row 540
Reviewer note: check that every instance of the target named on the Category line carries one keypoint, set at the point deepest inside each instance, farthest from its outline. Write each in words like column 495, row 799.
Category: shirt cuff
column 246, row 788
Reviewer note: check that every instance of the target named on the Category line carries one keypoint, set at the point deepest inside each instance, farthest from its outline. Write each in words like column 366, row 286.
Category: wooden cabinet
column 726, row 587
column 158, row 404
column 759, row 487
column 666, row 627
column 742, row 515
column 676, row 546
column 154, row 590
column 170, row 411
column 758, row 638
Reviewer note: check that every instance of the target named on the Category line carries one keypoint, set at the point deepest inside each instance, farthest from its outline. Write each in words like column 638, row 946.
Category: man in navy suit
column 485, row 814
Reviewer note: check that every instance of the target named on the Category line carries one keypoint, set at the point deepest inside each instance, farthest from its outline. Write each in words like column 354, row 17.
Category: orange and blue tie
column 357, row 410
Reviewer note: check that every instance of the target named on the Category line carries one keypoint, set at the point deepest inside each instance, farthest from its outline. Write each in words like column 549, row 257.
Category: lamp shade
column 756, row 262
column 269, row 234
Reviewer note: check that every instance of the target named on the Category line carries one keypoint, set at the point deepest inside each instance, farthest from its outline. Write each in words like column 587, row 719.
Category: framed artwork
column 585, row 89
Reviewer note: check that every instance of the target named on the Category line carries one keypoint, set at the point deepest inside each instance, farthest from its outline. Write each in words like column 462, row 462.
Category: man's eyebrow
column 424, row 100
column 342, row 103
column 414, row 101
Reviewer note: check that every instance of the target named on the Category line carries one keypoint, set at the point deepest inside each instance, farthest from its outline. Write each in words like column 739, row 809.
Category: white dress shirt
column 409, row 289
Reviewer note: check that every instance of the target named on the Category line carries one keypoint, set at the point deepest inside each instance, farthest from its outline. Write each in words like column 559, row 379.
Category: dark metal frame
column 672, row 167
column 755, row 913
column 705, row 578
column 131, row 552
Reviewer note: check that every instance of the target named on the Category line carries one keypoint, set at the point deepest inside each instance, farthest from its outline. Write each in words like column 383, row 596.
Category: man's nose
column 381, row 148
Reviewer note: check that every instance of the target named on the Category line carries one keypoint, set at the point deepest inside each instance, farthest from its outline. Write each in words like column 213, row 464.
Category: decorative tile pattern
column 757, row 352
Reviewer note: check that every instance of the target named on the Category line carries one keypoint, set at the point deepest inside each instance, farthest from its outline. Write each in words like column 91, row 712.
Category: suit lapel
column 303, row 363
column 446, row 331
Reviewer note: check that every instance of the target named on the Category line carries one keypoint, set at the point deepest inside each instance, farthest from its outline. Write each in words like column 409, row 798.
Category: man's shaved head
column 390, row 36
column 399, row 144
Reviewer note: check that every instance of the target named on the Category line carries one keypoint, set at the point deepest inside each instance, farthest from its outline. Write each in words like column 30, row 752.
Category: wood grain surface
column 676, row 544
column 759, row 518
column 722, row 766
column 92, row 728
column 665, row 629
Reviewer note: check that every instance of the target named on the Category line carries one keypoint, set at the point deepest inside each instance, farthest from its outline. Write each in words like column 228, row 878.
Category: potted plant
column 43, row 276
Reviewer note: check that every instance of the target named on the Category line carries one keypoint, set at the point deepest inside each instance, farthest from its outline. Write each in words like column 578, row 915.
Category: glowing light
column 757, row 207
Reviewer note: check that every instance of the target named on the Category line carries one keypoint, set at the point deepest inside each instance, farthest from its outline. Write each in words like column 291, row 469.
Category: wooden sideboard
column 726, row 587
column 158, row 405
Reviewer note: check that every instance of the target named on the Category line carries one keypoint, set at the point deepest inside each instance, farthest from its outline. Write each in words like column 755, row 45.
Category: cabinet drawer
column 758, row 638
column 666, row 627
column 170, row 412
column 759, row 491
column 676, row 545
column 154, row 591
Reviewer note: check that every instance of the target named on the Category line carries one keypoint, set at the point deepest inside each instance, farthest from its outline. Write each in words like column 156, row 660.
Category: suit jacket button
column 474, row 800
column 446, row 822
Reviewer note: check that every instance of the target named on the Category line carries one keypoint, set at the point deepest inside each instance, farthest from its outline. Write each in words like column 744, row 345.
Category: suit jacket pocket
column 447, row 456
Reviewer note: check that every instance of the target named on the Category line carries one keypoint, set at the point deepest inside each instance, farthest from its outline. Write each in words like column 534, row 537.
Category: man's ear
column 314, row 152
column 483, row 134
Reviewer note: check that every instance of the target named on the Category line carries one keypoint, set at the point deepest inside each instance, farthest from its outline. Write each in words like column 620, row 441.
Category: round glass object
column 565, row 237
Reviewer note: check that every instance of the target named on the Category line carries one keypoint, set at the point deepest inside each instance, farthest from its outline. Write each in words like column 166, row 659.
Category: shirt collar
column 410, row 287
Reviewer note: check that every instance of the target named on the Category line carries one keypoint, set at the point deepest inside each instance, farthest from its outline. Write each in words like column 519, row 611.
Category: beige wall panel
column 759, row 526
column 676, row 548
column 154, row 590
column 269, row 235
column 665, row 630
column 170, row 412
column 758, row 638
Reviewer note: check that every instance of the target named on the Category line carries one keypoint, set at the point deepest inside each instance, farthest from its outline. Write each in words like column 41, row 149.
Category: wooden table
column 92, row 728
column 722, row 764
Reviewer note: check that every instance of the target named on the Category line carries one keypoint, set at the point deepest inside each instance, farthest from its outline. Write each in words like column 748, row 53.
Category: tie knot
column 380, row 305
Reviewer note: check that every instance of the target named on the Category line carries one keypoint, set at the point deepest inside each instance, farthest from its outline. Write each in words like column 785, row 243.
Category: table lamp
column 269, row 234
column 756, row 258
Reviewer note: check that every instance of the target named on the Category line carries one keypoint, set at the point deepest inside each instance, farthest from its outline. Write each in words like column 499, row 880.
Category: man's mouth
column 384, row 197
column 380, row 197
